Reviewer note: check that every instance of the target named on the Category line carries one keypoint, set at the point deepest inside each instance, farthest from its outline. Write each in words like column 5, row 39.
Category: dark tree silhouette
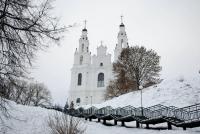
column 66, row 107
column 71, row 105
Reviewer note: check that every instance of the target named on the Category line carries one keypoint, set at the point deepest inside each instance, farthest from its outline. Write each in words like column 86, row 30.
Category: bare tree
column 42, row 96
column 141, row 65
column 35, row 94
column 112, row 90
column 61, row 123
column 66, row 107
column 71, row 105
column 121, row 84
column 25, row 93
column 25, row 27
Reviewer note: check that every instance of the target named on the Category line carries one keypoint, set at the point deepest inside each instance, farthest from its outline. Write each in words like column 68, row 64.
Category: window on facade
column 78, row 100
column 82, row 47
column 100, row 82
column 101, row 64
column 79, row 79
column 81, row 59
column 121, row 41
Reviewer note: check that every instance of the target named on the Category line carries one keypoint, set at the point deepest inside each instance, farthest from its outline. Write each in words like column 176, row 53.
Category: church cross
column 85, row 23
column 101, row 42
column 122, row 18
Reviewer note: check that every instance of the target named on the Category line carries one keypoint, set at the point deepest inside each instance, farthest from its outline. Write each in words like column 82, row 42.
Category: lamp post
column 86, row 98
column 91, row 100
column 141, row 99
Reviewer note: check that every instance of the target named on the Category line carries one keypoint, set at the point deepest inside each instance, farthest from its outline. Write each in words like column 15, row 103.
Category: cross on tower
column 122, row 18
column 85, row 21
column 101, row 42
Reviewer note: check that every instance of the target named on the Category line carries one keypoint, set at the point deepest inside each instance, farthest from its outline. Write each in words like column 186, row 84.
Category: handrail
column 178, row 116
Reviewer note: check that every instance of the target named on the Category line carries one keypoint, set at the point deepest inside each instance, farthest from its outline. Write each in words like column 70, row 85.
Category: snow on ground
column 33, row 120
column 99, row 128
column 178, row 92
column 26, row 120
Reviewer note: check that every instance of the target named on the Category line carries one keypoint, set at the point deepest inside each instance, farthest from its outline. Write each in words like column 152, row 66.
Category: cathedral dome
column 121, row 25
column 84, row 29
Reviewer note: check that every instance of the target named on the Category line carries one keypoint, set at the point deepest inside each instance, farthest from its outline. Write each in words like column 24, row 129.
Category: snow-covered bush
column 61, row 123
column 181, row 79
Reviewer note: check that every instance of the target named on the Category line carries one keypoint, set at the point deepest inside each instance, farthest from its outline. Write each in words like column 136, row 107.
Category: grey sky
column 170, row 27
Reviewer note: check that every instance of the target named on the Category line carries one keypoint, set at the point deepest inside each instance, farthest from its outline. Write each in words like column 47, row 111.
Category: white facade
column 90, row 75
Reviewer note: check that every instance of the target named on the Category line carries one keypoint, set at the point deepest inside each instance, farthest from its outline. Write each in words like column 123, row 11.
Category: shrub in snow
column 65, row 110
column 61, row 123
column 181, row 79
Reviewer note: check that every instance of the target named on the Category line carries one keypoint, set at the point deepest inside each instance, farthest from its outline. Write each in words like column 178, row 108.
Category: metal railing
column 185, row 115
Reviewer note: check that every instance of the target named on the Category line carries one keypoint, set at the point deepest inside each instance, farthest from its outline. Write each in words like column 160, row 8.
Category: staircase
column 186, row 117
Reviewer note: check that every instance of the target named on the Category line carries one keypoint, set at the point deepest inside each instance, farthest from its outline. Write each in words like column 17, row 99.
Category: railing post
column 123, row 124
column 115, row 122
column 147, row 126
column 90, row 119
column 137, row 124
column 104, row 121
column 99, row 120
column 169, row 125
column 85, row 118
column 184, row 128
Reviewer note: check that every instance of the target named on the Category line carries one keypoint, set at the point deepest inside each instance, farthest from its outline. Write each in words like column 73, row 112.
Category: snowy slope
column 26, row 120
column 33, row 120
column 178, row 92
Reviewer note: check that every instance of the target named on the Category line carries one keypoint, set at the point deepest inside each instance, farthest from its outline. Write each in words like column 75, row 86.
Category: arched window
column 100, row 82
column 79, row 79
column 81, row 59
column 78, row 100
column 82, row 47
column 121, row 41
column 101, row 64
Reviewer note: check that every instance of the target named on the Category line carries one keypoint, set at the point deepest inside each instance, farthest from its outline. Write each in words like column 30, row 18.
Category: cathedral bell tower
column 82, row 55
column 122, row 40
column 80, row 70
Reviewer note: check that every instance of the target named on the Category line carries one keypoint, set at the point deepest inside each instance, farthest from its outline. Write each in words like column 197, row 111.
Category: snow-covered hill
column 178, row 92
column 33, row 120
column 25, row 120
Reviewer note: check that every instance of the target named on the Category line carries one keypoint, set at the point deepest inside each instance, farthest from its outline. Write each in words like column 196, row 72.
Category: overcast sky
column 170, row 27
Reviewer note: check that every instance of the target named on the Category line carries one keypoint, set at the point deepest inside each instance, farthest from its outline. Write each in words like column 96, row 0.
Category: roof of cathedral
column 121, row 25
column 84, row 29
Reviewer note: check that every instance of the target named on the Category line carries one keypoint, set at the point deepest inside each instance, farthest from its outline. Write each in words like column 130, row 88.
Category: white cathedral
column 90, row 75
